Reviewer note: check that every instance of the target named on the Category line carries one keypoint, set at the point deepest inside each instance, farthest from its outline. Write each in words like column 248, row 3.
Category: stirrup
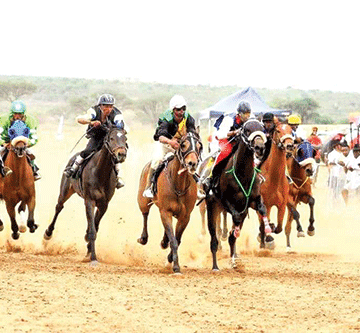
column 148, row 193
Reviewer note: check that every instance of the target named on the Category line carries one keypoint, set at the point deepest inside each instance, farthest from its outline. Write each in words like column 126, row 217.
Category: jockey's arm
column 172, row 142
column 88, row 118
column 223, row 130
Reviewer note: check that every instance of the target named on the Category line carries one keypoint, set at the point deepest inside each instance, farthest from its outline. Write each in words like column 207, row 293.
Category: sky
column 265, row 44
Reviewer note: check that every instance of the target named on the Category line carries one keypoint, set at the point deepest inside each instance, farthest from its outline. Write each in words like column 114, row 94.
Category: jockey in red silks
column 228, row 126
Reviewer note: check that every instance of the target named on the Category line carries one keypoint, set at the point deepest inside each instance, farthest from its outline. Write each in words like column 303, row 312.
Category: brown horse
column 300, row 170
column 96, row 185
column 18, row 186
column 176, row 195
column 275, row 189
column 238, row 188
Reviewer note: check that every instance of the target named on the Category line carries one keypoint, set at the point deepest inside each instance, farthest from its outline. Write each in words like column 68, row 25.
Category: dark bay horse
column 18, row 187
column 275, row 189
column 176, row 195
column 221, row 228
column 238, row 188
column 300, row 170
column 96, row 185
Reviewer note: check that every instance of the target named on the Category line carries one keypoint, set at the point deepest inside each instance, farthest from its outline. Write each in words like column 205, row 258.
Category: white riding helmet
column 177, row 102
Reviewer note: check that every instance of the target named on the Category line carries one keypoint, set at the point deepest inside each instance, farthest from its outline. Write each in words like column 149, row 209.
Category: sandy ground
column 45, row 287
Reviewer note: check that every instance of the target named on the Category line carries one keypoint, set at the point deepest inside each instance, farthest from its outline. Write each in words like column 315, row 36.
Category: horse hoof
column 33, row 228
column 289, row 249
column 22, row 228
column 215, row 270
column 15, row 235
column 269, row 243
column 301, row 234
column 311, row 232
column 46, row 236
column 142, row 241
column 164, row 245
column 93, row 263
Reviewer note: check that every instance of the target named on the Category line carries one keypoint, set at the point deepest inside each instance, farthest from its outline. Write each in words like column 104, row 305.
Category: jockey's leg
column 35, row 170
column 74, row 167
column 120, row 182
column 148, row 193
column 4, row 170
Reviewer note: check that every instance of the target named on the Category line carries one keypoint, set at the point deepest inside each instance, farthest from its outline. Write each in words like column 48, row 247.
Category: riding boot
column 120, row 182
column 148, row 193
column 69, row 172
column 200, row 192
column 35, row 169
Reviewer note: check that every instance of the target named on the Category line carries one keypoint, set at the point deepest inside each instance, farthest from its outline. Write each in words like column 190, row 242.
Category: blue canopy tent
column 228, row 105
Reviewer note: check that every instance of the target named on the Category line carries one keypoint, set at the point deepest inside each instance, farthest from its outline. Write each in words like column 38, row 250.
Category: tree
column 11, row 91
column 152, row 107
column 305, row 107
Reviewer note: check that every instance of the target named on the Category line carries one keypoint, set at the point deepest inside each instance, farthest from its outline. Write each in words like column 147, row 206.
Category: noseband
column 107, row 146
column 193, row 140
column 249, row 139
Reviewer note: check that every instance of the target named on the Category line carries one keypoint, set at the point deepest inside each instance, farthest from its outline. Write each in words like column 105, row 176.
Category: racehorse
column 19, row 186
column 300, row 170
column 96, row 185
column 238, row 188
column 221, row 231
column 176, row 195
column 275, row 189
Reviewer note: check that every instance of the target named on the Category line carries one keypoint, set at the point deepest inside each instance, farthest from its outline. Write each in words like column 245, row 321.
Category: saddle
column 79, row 171
column 159, row 169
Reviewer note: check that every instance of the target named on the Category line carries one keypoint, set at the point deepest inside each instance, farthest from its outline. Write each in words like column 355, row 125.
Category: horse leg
column 288, row 228
column 202, row 208
column 10, row 207
column 91, row 230
column 266, row 240
column 225, row 230
column 21, row 211
column 144, row 235
column 280, row 218
column 213, row 213
column 311, row 228
column 218, row 231
column 165, row 241
column 66, row 191
column 238, row 221
column 31, row 221
column 166, row 218
column 100, row 211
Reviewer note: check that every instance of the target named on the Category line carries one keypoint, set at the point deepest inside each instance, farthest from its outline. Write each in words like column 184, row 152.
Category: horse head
column 305, row 156
column 283, row 137
column 19, row 137
column 189, row 152
column 115, row 142
column 252, row 133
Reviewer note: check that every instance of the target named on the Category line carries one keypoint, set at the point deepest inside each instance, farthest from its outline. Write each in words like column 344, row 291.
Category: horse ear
column 197, row 129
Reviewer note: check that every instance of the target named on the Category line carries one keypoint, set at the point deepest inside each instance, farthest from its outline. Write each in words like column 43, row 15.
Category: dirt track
column 46, row 288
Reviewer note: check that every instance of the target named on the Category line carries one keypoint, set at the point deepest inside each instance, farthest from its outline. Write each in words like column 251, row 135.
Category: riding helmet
column 177, row 102
column 106, row 99
column 244, row 107
column 18, row 107
column 294, row 119
column 268, row 116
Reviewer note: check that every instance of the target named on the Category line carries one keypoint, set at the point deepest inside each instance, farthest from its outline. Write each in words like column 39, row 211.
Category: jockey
column 102, row 113
column 315, row 142
column 269, row 125
column 172, row 125
column 294, row 121
column 227, row 129
column 18, row 112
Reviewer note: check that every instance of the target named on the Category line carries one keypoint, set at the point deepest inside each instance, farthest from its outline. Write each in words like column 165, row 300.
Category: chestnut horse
column 300, row 170
column 19, row 187
column 96, row 185
column 176, row 195
column 275, row 189
column 238, row 188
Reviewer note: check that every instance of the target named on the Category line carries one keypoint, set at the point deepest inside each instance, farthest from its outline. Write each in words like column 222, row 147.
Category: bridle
column 249, row 139
column 193, row 140
column 114, row 157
